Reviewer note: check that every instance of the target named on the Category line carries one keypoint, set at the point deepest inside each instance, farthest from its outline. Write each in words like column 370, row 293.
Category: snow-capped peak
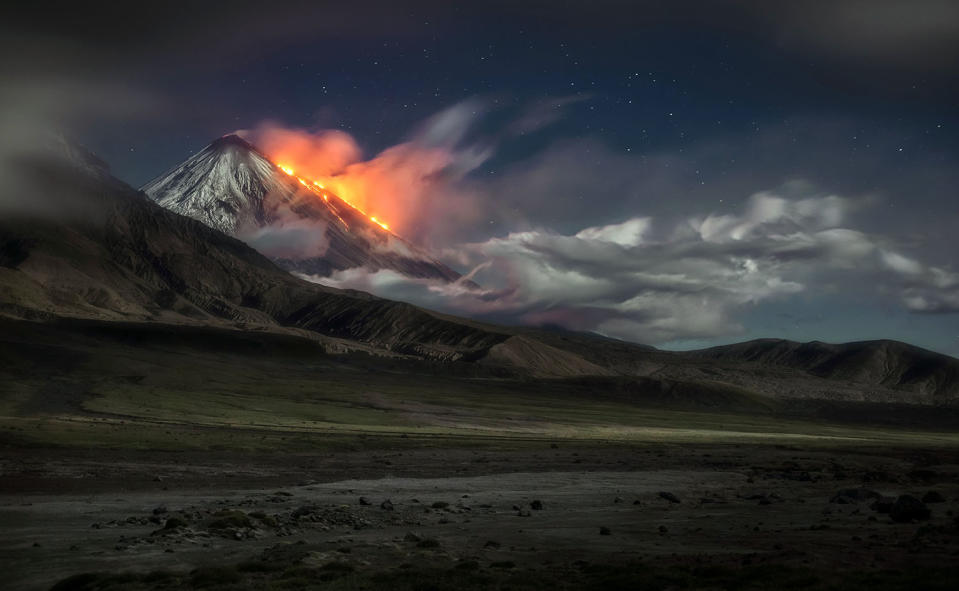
column 224, row 185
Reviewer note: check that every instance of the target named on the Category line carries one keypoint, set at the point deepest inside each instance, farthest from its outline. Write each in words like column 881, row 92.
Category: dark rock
column 923, row 474
column 536, row 505
column 663, row 529
column 848, row 496
column 174, row 522
column 440, row 505
column 933, row 497
column 365, row 501
column 304, row 511
column 159, row 510
column 669, row 497
column 386, row 505
column 605, row 531
column 908, row 508
column 491, row 544
column 411, row 537
column 618, row 500
column 883, row 504
column 878, row 476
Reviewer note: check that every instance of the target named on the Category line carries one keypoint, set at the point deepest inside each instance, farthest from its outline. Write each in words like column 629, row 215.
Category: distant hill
column 885, row 364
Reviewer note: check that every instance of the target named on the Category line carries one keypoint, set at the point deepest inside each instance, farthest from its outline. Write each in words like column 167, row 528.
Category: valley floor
column 535, row 515
column 151, row 457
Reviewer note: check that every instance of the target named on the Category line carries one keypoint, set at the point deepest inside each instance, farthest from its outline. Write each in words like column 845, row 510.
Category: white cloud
column 695, row 283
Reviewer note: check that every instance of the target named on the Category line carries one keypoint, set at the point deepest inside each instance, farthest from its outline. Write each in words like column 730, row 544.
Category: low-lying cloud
column 652, row 282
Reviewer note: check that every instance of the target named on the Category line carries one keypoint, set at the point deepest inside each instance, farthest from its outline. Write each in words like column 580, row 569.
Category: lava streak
column 319, row 189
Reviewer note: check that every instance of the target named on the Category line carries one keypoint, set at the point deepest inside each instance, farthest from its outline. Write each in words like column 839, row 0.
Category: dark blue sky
column 669, row 111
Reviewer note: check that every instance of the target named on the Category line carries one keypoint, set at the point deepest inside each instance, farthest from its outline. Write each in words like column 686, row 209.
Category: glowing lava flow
column 318, row 188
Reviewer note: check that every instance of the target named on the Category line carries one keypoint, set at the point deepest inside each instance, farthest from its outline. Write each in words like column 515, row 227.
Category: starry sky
column 678, row 173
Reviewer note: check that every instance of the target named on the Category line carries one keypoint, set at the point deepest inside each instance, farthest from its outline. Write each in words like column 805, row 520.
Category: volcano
column 233, row 187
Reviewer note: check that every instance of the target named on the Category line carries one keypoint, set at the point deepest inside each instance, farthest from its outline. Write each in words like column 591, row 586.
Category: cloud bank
column 651, row 282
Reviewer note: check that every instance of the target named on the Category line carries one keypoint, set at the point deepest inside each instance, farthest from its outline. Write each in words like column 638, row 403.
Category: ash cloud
column 415, row 186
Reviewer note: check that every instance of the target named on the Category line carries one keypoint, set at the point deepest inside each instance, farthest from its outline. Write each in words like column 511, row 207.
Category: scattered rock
column 669, row 497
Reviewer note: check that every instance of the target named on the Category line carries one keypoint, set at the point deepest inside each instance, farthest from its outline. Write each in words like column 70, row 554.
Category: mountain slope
column 225, row 186
column 234, row 188
column 125, row 258
column 98, row 249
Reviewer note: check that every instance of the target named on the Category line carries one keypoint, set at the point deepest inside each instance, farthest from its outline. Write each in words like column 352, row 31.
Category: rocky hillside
column 877, row 364
column 91, row 247
column 122, row 257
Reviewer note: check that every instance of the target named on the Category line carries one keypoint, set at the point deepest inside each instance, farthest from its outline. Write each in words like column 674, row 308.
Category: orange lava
column 318, row 188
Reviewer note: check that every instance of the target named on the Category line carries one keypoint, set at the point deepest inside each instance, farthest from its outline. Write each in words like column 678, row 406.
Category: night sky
column 676, row 173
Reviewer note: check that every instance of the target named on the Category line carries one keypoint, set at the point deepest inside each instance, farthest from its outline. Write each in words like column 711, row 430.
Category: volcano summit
column 233, row 187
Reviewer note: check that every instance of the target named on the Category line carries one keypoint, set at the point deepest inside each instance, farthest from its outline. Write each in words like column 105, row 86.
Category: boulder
column 908, row 508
